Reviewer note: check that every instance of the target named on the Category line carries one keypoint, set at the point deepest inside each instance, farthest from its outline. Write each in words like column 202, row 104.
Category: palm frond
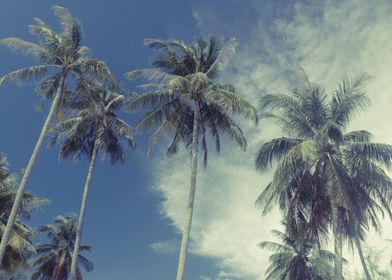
column 26, row 74
column 222, row 58
column 23, row 47
column 349, row 99
column 274, row 150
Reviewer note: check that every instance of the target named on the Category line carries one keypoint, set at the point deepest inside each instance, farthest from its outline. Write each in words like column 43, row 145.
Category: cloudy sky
column 135, row 210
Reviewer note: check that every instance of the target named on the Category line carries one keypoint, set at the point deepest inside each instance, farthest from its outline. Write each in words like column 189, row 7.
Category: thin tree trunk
column 338, row 243
column 18, row 198
column 364, row 265
column 59, row 268
column 191, row 198
column 82, row 213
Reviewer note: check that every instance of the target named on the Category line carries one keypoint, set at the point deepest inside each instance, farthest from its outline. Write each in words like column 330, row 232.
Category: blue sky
column 135, row 209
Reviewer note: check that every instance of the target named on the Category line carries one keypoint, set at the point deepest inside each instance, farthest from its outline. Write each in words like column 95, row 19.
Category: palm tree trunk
column 18, row 198
column 191, row 198
column 59, row 268
column 364, row 265
column 338, row 243
column 82, row 213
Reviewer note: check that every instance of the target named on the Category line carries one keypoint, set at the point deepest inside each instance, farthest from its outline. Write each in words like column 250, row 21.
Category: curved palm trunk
column 191, row 198
column 73, row 275
column 338, row 269
column 18, row 198
column 364, row 265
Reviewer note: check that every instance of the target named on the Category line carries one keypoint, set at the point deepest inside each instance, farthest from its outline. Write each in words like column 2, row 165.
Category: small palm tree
column 20, row 246
column 333, row 177
column 96, row 127
column 63, row 53
column 53, row 261
column 297, row 257
column 188, row 103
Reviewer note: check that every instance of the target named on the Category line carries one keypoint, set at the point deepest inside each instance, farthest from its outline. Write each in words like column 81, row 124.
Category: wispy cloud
column 165, row 247
column 330, row 40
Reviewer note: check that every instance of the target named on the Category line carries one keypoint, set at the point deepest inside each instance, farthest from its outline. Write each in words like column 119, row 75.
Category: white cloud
column 165, row 247
column 330, row 40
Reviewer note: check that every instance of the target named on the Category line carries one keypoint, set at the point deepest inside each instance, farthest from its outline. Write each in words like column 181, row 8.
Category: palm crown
column 296, row 257
column 184, row 83
column 95, row 123
column 54, row 258
column 62, row 51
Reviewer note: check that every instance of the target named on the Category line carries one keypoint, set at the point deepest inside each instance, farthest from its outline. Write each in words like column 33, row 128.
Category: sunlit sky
column 135, row 210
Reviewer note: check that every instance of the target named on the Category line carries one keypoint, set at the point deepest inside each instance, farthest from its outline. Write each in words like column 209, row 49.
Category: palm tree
column 188, row 103
column 63, row 53
column 321, row 170
column 20, row 246
column 296, row 257
column 53, row 261
column 94, row 128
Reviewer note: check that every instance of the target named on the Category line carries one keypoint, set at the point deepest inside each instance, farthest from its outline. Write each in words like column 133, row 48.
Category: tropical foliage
column 321, row 169
column 297, row 257
column 20, row 246
column 53, row 260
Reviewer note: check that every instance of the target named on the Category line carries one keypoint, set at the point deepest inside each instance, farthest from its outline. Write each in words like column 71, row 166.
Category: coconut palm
column 20, row 246
column 53, row 260
column 320, row 170
column 296, row 257
column 95, row 127
column 64, row 54
column 187, row 102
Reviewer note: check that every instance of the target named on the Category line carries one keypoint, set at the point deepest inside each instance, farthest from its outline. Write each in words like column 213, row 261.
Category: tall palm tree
column 297, row 257
column 63, row 53
column 188, row 102
column 95, row 127
column 20, row 246
column 321, row 169
column 53, row 261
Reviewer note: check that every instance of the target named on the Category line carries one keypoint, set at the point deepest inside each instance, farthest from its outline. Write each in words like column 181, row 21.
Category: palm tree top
column 62, row 50
column 295, row 256
column 207, row 56
column 95, row 122
column 54, row 257
column 319, row 164
column 183, row 79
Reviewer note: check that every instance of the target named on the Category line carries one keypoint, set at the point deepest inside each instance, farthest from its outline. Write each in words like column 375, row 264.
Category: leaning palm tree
column 20, row 246
column 63, row 53
column 53, row 261
column 95, row 127
column 188, row 102
column 297, row 257
column 321, row 170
